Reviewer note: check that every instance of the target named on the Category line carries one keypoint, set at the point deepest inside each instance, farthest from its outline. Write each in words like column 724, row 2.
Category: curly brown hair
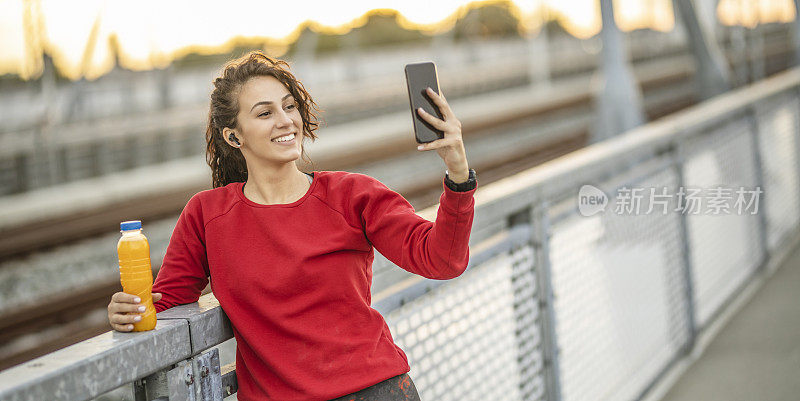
column 227, row 163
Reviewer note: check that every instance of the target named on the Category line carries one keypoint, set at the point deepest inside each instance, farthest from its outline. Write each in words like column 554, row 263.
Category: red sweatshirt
column 295, row 278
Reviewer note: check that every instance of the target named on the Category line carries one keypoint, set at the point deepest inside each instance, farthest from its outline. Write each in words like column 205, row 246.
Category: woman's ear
column 230, row 137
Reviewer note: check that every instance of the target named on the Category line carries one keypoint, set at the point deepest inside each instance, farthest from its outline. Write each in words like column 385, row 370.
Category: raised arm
column 437, row 250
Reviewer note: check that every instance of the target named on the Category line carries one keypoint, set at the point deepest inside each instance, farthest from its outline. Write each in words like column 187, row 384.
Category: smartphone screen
column 418, row 77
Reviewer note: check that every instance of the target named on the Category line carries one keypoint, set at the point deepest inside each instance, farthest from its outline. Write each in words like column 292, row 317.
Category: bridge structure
column 605, row 274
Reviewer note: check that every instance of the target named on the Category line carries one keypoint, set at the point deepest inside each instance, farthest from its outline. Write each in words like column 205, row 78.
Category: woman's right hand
column 124, row 311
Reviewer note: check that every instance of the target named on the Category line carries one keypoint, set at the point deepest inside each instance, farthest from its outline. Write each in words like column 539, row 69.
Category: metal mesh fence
column 725, row 247
column 527, row 318
column 778, row 128
column 466, row 340
column 619, row 289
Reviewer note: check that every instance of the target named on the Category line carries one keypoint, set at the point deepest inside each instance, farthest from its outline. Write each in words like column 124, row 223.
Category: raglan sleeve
column 184, row 271
column 436, row 250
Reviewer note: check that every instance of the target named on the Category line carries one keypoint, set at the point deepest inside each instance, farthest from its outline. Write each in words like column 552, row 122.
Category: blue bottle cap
column 130, row 225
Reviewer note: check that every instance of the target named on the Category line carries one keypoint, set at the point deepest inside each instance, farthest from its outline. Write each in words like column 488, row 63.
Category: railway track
column 65, row 319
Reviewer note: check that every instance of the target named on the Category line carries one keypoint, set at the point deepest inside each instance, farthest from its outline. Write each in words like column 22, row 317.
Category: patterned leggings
column 398, row 388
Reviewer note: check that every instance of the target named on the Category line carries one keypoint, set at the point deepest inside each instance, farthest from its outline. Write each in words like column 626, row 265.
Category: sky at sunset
column 151, row 33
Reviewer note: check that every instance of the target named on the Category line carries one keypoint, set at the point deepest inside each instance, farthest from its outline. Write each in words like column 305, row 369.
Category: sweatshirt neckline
column 240, row 192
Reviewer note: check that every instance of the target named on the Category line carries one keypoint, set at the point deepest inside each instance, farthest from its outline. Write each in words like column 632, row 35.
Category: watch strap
column 465, row 186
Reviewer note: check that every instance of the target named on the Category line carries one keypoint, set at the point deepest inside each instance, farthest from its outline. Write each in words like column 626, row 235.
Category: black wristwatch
column 465, row 186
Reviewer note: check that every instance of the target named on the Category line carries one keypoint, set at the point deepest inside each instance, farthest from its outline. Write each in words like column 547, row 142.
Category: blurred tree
column 195, row 59
column 554, row 28
column 491, row 20
column 382, row 29
column 328, row 43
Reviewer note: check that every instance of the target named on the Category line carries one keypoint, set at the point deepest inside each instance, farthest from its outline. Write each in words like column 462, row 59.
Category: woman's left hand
column 451, row 147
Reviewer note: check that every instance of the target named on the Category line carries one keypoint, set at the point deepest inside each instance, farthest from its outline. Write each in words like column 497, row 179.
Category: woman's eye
column 263, row 114
column 290, row 106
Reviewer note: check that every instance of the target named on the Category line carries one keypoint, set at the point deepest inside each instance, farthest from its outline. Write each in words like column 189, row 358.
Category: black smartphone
column 418, row 77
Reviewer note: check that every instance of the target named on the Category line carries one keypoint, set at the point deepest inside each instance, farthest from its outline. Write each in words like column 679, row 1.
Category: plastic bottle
column 135, row 273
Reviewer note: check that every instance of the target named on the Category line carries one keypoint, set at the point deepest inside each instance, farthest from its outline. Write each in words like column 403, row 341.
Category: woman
column 289, row 254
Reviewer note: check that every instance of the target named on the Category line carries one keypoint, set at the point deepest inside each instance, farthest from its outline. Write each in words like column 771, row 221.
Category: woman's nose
column 283, row 118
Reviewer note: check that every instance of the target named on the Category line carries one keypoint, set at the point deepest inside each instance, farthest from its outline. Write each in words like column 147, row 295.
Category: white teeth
column 284, row 138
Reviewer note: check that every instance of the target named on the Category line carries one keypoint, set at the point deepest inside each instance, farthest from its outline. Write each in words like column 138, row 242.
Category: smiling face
column 267, row 112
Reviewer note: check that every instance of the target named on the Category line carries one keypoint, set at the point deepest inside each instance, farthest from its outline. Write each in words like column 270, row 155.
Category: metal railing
column 555, row 304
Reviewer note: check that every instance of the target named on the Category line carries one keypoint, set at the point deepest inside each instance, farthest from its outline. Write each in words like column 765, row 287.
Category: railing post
column 198, row 379
column 686, row 249
column 750, row 115
column 180, row 381
column 139, row 392
column 230, row 384
column 541, row 245
column 523, row 282
column 152, row 387
column 208, row 376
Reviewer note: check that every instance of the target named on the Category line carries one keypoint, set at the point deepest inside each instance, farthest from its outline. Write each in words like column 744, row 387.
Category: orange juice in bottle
column 134, row 270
